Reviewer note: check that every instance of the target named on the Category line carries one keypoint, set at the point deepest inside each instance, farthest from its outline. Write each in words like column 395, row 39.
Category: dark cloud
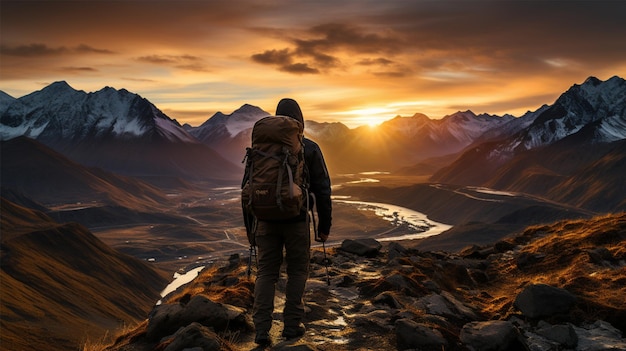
column 186, row 62
column 38, row 50
column 284, row 60
column 392, row 74
column 274, row 57
column 31, row 50
column 138, row 79
column 323, row 42
column 333, row 36
column 88, row 49
column 299, row 68
column 377, row 61
column 80, row 69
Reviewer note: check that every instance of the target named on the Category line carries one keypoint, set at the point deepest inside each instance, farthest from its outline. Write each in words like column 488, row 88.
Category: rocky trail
column 509, row 296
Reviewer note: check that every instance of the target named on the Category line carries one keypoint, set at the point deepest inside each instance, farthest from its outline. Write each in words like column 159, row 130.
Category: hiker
column 292, row 235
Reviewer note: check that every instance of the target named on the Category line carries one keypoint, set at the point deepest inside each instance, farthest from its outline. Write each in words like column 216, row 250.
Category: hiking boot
column 294, row 332
column 262, row 339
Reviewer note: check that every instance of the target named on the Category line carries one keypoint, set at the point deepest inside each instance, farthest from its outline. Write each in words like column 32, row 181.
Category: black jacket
column 319, row 183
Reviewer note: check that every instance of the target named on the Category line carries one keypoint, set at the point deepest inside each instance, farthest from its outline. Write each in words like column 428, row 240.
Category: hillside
column 32, row 169
column 61, row 286
column 555, row 286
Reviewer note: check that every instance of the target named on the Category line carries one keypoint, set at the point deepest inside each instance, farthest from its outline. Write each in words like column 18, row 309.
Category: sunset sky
column 356, row 61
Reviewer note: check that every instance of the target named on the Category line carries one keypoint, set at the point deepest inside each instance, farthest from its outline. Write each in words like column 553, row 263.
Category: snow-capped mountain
column 114, row 130
column 240, row 120
column 585, row 124
column 5, row 101
column 404, row 141
column 461, row 127
column 326, row 130
column 229, row 134
column 58, row 114
column 513, row 125
column 594, row 103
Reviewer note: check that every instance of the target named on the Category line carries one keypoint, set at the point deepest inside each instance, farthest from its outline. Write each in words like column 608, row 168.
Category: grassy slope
column 61, row 285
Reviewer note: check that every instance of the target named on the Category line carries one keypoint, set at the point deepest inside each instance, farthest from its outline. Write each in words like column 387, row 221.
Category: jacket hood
column 290, row 108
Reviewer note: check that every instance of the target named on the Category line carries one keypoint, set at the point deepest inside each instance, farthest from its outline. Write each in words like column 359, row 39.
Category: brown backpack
column 276, row 184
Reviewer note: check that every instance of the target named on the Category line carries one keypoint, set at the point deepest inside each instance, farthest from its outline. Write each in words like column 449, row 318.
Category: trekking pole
column 326, row 262
column 250, row 263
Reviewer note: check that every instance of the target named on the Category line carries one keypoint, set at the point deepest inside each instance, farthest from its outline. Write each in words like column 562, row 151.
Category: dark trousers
column 271, row 238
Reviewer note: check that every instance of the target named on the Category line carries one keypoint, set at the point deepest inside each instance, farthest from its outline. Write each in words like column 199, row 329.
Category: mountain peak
column 60, row 83
column 247, row 108
column 592, row 81
column 59, row 87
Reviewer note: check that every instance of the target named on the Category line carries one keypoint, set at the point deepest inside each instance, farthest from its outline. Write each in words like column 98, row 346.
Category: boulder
column 293, row 347
column 541, row 300
column 489, row 336
column 367, row 247
column 168, row 318
column 563, row 334
column 395, row 250
column 599, row 336
column 387, row 298
column 435, row 304
column 413, row 335
column 194, row 336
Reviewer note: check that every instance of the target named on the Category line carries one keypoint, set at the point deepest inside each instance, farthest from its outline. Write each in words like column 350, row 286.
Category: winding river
column 413, row 225
column 417, row 224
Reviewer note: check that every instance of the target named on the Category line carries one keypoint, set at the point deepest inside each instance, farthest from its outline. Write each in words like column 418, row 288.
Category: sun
column 372, row 116
column 371, row 122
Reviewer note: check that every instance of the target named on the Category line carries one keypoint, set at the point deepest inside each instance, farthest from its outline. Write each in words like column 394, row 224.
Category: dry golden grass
column 128, row 332
column 565, row 254
column 211, row 282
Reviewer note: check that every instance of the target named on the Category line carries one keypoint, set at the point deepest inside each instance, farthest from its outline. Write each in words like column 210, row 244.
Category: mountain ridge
column 562, row 140
column 112, row 129
column 65, row 284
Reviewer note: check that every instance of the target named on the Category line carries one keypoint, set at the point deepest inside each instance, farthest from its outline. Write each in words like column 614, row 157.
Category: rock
column 476, row 252
column 536, row 342
column 489, row 336
column 161, row 319
column 395, row 250
column 470, row 251
column 398, row 282
column 478, row 276
column 291, row 347
column 539, row 300
column 504, row 246
column 564, row 335
column 458, row 273
column 378, row 318
column 367, row 247
column 599, row 336
column 459, row 307
column 435, row 304
column 168, row 318
column 388, row 299
column 413, row 335
column 194, row 336
column 446, row 305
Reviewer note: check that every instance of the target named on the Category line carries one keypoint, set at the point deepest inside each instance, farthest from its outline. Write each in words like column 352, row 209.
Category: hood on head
column 290, row 108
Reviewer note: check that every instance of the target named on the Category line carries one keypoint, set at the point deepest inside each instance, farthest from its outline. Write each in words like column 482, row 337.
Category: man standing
column 292, row 235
